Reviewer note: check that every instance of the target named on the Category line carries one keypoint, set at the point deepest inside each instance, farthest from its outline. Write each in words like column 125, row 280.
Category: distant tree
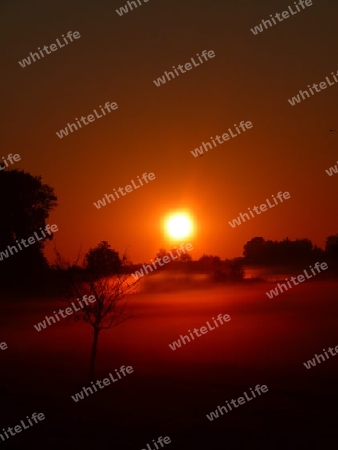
column 286, row 252
column 236, row 271
column 318, row 253
column 300, row 251
column 108, row 287
column 331, row 247
column 103, row 260
column 25, row 205
column 254, row 251
column 182, row 257
column 209, row 262
column 161, row 253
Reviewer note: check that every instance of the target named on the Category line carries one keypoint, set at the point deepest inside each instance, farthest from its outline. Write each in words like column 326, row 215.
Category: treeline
column 226, row 270
column 26, row 203
column 258, row 251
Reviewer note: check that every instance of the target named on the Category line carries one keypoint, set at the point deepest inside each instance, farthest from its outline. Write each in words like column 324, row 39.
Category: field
column 170, row 392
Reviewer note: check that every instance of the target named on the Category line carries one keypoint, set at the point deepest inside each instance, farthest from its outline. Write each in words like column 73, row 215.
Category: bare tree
column 109, row 289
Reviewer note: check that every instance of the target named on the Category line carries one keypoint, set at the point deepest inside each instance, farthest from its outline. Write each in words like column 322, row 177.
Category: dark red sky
column 154, row 129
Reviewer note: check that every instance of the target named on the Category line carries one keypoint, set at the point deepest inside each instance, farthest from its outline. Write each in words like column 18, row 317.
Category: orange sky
column 154, row 129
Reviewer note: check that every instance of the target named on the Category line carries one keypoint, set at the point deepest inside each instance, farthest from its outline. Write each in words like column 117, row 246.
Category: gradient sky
column 154, row 129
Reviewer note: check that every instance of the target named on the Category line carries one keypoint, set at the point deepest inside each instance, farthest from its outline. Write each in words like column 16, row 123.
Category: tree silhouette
column 103, row 260
column 184, row 257
column 331, row 248
column 161, row 253
column 286, row 252
column 209, row 262
column 109, row 289
column 181, row 257
column 25, row 205
column 254, row 250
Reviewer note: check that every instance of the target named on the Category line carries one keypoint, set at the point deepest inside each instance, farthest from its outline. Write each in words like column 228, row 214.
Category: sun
column 179, row 226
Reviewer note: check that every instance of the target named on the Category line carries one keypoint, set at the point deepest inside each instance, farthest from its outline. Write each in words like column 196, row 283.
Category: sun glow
column 179, row 226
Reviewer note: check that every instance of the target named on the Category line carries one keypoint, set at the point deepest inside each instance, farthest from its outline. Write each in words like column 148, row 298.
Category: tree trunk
column 93, row 354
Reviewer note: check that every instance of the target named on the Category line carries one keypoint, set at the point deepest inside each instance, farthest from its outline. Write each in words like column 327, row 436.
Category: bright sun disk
column 179, row 226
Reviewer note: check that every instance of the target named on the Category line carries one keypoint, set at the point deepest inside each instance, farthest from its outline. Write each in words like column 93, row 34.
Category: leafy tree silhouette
column 102, row 260
column 331, row 248
column 286, row 252
column 25, row 205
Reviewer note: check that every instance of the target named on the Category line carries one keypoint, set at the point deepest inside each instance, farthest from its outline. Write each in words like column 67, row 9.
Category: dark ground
column 170, row 392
